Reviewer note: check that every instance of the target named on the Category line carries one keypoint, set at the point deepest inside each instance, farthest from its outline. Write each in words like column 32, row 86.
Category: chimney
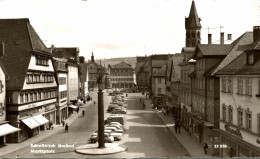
column 229, row 36
column 256, row 33
column 52, row 48
column 209, row 38
column 222, row 38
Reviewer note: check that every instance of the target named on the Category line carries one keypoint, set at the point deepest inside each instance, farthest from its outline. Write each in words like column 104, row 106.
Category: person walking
column 77, row 110
column 63, row 122
column 66, row 128
column 176, row 127
column 205, row 148
column 83, row 113
column 179, row 126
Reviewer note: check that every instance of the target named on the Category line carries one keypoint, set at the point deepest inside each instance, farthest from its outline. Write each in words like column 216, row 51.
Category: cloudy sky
column 127, row 28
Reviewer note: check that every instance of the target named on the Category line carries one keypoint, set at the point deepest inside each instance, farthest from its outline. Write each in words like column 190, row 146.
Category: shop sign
column 33, row 105
column 232, row 131
column 258, row 141
column 50, row 107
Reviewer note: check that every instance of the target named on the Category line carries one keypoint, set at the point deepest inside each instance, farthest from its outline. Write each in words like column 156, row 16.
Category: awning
column 40, row 119
column 7, row 129
column 73, row 106
column 31, row 123
column 208, row 124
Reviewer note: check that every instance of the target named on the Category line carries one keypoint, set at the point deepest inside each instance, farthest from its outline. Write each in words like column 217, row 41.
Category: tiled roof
column 70, row 51
column 158, row 63
column 161, row 57
column 20, row 40
column 161, row 72
column 60, row 53
column 238, row 46
column 122, row 65
column 213, row 49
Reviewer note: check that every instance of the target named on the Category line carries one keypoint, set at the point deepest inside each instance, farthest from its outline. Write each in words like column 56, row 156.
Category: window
column 159, row 90
column 230, row 114
column 31, row 97
column 249, row 120
column 249, row 86
column 240, row 117
column 159, row 80
column 229, row 85
column 223, row 82
column 21, row 98
column 1, row 87
column 224, row 112
column 1, row 109
column 39, row 96
column 193, row 34
column 240, row 85
column 250, row 59
column 26, row 98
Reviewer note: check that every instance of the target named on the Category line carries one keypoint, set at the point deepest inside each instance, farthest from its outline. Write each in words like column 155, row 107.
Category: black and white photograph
column 129, row 78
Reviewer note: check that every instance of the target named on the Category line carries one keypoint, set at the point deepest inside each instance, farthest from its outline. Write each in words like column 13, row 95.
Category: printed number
column 220, row 146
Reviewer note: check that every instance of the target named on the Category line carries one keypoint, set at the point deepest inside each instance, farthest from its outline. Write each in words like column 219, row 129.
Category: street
column 146, row 135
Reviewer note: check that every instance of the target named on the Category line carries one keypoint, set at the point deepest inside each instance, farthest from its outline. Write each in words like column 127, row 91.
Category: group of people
column 165, row 112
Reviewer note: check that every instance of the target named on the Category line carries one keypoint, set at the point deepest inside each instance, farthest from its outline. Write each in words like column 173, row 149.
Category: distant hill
column 112, row 61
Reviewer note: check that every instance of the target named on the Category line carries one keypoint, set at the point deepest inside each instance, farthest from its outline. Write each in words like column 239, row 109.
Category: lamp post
column 101, row 141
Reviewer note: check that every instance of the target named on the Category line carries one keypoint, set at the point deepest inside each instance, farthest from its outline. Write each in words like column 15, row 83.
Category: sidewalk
column 190, row 144
column 11, row 147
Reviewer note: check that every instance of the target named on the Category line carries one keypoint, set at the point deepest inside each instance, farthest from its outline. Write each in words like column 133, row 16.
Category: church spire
column 92, row 57
column 193, row 27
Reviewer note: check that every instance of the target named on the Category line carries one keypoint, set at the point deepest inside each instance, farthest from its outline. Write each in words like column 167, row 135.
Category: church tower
column 92, row 57
column 193, row 27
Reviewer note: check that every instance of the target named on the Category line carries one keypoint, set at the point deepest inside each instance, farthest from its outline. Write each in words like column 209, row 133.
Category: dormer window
column 250, row 59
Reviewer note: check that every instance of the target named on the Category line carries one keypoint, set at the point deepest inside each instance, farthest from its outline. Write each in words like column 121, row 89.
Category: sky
column 128, row 28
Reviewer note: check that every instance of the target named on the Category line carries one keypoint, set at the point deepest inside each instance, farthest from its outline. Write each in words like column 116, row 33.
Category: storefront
column 197, row 127
column 238, row 142
column 159, row 101
column 6, row 129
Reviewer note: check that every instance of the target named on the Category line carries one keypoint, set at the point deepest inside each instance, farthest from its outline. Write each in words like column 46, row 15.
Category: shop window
column 21, row 98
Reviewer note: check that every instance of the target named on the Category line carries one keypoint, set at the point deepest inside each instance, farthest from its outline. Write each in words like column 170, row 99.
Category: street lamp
column 101, row 141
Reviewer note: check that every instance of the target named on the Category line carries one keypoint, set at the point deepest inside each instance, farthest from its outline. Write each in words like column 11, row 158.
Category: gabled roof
column 238, row 46
column 161, row 72
column 20, row 41
column 212, row 50
column 158, row 63
column 71, row 52
column 122, row 65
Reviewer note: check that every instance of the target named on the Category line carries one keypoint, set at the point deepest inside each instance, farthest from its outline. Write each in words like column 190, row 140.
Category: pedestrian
column 77, row 110
column 83, row 113
column 206, row 148
column 94, row 103
column 66, row 128
column 179, row 126
column 176, row 127
column 17, row 156
column 167, row 112
column 91, row 98
column 63, row 122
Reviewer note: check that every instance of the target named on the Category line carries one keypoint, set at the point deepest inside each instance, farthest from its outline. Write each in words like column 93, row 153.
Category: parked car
column 111, row 107
column 120, row 103
column 119, row 111
column 105, row 131
column 116, row 136
column 114, row 129
column 115, row 118
column 107, row 138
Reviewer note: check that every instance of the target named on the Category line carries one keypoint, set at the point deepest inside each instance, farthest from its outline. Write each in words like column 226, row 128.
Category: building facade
column 239, row 98
column 122, row 76
column 159, row 88
column 31, row 91
column 83, row 78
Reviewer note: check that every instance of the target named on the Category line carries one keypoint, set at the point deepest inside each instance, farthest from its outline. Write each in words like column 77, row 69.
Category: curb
column 174, row 135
